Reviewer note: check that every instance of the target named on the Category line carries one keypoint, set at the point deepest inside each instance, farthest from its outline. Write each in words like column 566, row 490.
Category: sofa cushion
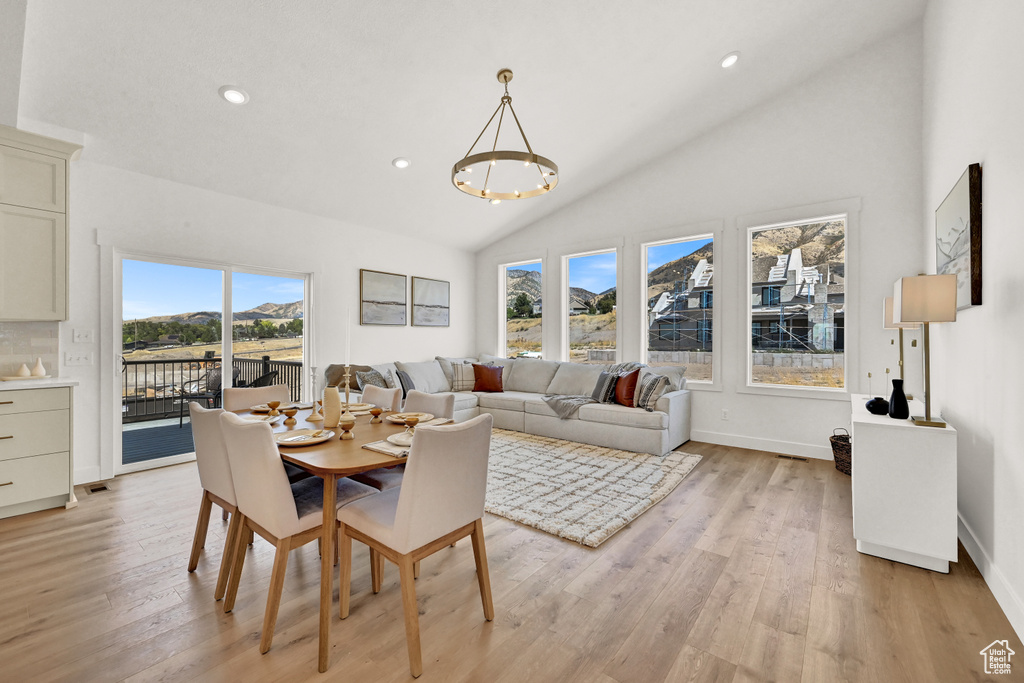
column 614, row 414
column 676, row 375
column 446, row 365
column 463, row 399
column 390, row 373
column 538, row 406
column 625, row 388
column 371, row 377
column 508, row 400
column 505, row 363
column 574, row 379
column 488, row 378
column 531, row 374
column 427, row 376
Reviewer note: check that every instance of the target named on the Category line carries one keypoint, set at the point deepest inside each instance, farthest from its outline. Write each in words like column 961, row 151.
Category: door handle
column 6, row 437
column 7, row 484
column 6, row 403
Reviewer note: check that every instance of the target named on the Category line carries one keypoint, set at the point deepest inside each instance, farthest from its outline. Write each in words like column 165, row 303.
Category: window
column 590, row 303
column 523, row 309
column 797, row 297
column 680, row 304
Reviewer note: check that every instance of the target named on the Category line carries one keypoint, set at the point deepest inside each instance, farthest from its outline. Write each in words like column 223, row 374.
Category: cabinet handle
column 7, row 484
column 6, row 437
column 6, row 403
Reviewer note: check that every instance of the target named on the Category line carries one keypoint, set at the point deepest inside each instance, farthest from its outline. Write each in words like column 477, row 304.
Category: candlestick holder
column 347, row 414
column 346, row 428
column 376, row 411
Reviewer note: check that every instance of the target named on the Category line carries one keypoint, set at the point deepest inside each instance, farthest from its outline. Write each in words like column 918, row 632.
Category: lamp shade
column 888, row 323
column 924, row 299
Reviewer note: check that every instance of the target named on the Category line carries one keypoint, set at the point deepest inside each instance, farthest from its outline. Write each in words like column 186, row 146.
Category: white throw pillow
column 574, row 379
column 426, row 376
column 530, row 374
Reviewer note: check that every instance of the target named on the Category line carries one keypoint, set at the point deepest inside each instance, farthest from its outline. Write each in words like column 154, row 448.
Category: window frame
column 502, row 346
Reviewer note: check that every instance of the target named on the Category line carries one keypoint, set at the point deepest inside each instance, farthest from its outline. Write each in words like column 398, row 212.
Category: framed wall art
column 958, row 237
column 430, row 302
column 382, row 298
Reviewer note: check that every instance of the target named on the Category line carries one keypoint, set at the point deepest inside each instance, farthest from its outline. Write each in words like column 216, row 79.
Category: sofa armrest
column 676, row 404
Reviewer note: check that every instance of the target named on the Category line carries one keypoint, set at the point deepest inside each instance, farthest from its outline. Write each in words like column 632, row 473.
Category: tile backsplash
column 24, row 342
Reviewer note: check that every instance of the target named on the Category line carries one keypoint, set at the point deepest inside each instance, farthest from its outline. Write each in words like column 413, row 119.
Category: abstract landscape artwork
column 958, row 237
column 382, row 298
column 430, row 302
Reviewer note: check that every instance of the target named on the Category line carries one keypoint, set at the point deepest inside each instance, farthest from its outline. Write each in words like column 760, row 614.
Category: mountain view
column 664, row 278
column 820, row 243
column 521, row 282
column 268, row 311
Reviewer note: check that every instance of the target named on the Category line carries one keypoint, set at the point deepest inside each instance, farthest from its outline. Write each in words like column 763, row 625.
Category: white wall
column 146, row 215
column 973, row 104
column 850, row 132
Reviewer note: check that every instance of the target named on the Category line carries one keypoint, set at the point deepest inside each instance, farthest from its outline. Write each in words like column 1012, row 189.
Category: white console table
column 904, row 489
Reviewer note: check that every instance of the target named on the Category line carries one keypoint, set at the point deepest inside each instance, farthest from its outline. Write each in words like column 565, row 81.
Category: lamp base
column 921, row 422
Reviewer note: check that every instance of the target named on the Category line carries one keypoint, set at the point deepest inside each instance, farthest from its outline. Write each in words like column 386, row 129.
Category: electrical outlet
column 725, row 414
column 78, row 358
column 82, row 336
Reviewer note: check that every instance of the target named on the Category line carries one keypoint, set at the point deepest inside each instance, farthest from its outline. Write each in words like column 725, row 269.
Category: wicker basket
column 842, row 450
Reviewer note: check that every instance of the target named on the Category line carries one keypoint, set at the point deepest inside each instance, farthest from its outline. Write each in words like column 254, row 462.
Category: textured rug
column 578, row 492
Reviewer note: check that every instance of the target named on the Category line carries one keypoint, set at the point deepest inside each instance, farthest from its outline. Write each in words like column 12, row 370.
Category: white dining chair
column 286, row 515
column 440, row 501
column 388, row 399
column 438, row 405
column 241, row 398
column 218, row 487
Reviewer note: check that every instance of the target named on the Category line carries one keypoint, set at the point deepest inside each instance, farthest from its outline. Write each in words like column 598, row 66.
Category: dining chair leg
column 416, row 569
column 234, row 531
column 274, row 596
column 236, row 570
column 199, row 540
column 412, row 615
column 252, row 537
column 482, row 574
column 376, row 570
column 344, row 547
column 224, row 516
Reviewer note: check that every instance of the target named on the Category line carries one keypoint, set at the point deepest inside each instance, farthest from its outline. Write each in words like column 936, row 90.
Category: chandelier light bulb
column 495, row 201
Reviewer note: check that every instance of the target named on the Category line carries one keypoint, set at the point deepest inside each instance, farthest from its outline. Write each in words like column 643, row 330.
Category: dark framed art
column 430, row 302
column 382, row 298
column 958, row 237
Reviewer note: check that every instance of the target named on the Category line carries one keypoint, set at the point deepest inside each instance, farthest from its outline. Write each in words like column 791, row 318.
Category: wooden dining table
column 329, row 460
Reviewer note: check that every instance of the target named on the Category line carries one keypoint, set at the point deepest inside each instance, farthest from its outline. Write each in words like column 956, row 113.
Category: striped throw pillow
column 650, row 390
column 604, row 390
column 463, row 377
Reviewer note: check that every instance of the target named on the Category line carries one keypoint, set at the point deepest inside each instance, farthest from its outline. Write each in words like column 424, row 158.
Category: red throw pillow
column 488, row 378
column 626, row 387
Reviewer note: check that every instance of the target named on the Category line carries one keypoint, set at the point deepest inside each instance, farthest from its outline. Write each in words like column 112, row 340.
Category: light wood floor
column 746, row 572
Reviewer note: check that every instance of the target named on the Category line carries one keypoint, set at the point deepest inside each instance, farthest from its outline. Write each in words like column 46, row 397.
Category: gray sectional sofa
column 520, row 407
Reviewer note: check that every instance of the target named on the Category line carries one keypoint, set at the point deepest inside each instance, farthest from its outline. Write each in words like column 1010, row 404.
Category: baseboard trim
column 1009, row 601
column 803, row 450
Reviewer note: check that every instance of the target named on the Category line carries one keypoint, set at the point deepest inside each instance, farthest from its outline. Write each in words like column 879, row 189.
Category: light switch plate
column 82, row 336
column 78, row 358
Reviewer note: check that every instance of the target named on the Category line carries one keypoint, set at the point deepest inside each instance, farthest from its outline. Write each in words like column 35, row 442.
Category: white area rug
column 578, row 492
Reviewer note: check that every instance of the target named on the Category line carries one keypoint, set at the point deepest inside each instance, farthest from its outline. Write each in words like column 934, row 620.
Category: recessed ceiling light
column 400, row 162
column 730, row 59
column 233, row 94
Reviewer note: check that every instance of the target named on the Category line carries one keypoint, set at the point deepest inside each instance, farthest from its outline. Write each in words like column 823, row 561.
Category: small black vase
column 899, row 409
column 877, row 406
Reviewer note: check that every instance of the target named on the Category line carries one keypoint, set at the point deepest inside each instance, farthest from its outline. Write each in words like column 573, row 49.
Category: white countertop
column 37, row 383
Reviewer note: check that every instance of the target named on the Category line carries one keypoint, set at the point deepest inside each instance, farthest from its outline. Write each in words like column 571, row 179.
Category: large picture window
column 680, row 304
column 797, row 303
column 523, row 309
column 591, row 306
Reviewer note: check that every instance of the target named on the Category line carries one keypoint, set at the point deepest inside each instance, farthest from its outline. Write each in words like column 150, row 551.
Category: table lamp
column 889, row 324
column 925, row 299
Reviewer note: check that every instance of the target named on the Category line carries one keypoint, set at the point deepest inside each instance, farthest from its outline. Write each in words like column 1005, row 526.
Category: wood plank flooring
column 746, row 572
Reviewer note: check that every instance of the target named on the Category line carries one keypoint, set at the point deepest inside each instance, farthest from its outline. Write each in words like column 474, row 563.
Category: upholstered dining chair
column 240, row 398
column 286, row 515
column 215, row 477
column 438, row 405
column 440, row 501
column 388, row 399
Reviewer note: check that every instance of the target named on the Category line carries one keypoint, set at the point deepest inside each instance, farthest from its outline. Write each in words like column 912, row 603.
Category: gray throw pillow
column 604, row 390
column 649, row 390
column 374, row 378
column 406, row 381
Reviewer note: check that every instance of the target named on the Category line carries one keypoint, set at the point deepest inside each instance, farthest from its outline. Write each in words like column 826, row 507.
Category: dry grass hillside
column 277, row 349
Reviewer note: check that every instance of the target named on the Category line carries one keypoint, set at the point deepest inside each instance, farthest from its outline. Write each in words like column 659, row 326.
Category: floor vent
column 791, row 457
column 97, row 488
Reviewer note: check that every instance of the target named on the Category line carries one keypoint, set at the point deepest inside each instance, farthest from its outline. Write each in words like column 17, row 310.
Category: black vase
column 899, row 409
column 877, row 406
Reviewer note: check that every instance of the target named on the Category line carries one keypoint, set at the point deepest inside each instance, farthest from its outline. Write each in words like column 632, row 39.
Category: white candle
column 348, row 335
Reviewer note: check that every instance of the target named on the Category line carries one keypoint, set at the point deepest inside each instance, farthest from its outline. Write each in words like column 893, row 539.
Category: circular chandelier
column 504, row 174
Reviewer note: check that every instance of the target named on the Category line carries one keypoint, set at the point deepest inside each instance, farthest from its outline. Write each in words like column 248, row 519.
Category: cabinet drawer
column 28, row 434
column 32, row 400
column 31, row 179
column 41, row 476
column 33, row 264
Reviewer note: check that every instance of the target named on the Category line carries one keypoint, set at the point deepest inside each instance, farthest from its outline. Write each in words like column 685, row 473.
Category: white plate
column 353, row 407
column 263, row 418
column 301, row 437
column 17, row 379
column 264, row 408
column 402, row 439
column 399, row 418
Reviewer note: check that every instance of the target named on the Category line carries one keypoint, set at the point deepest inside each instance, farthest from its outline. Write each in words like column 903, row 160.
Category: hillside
column 820, row 243
column 268, row 311
column 522, row 282
column 662, row 279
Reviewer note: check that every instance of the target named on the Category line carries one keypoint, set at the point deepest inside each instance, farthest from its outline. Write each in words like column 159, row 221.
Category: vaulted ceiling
column 338, row 89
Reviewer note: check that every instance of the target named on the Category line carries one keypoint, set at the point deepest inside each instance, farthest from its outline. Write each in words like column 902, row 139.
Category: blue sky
column 159, row 289
column 595, row 273
column 664, row 253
